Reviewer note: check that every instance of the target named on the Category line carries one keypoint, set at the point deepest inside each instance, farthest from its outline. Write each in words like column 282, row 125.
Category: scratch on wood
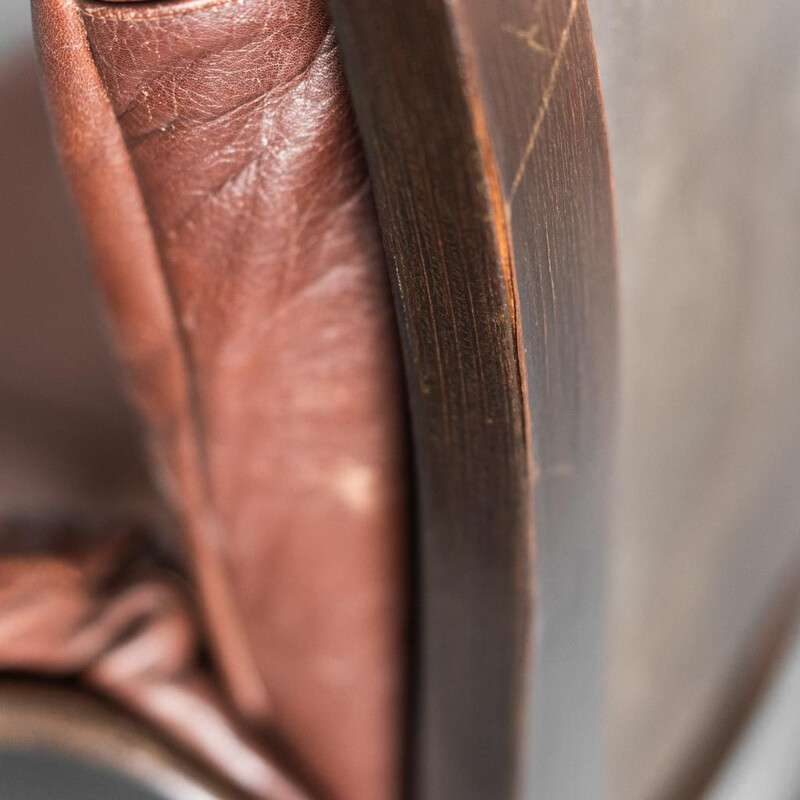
column 543, row 106
column 530, row 36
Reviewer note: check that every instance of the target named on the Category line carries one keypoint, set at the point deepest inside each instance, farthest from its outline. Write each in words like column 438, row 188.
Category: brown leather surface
column 106, row 612
column 212, row 152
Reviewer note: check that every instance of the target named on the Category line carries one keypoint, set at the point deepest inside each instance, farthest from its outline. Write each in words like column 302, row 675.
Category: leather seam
column 195, row 404
column 129, row 12
column 187, row 360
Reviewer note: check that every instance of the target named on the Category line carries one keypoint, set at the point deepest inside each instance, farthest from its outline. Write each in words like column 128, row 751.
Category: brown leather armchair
column 359, row 261
column 342, row 604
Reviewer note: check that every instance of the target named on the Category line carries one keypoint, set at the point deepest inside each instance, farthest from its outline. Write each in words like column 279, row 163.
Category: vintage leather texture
column 102, row 608
column 214, row 158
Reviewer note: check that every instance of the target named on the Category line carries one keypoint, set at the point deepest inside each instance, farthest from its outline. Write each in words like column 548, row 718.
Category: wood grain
column 485, row 138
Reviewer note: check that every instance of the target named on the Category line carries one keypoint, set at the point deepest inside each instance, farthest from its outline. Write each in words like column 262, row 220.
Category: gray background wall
column 703, row 103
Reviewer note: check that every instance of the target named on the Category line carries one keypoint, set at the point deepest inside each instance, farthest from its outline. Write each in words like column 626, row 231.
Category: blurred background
column 32, row 775
column 703, row 104
column 68, row 439
column 63, row 418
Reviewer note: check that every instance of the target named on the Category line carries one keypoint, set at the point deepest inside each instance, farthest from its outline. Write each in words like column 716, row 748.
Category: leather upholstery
column 103, row 610
column 213, row 155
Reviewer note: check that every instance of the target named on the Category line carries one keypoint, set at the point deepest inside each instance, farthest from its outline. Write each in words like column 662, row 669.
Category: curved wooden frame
column 485, row 137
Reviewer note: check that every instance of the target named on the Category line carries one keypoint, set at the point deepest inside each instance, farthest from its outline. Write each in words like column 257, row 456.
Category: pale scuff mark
column 355, row 484
column 561, row 470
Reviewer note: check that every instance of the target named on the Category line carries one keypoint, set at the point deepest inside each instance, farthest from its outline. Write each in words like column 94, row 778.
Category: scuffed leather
column 107, row 613
column 213, row 155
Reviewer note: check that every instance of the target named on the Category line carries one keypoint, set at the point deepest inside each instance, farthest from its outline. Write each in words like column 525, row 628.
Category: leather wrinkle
column 287, row 85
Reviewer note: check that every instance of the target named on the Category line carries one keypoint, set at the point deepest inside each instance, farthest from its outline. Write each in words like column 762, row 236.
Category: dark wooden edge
column 483, row 128
column 44, row 717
